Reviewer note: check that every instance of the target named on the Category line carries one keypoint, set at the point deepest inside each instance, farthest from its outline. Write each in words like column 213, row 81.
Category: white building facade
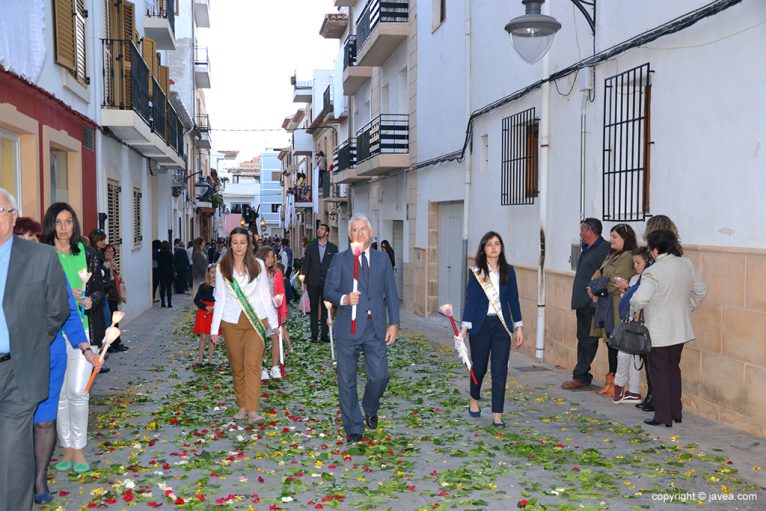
column 658, row 112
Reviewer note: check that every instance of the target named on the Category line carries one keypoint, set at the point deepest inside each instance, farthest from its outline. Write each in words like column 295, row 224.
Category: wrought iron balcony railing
column 126, row 78
column 380, row 11
column 345, row 155
column 349, row 51
column 385, row 134
column 163, row 9
column 327, row 105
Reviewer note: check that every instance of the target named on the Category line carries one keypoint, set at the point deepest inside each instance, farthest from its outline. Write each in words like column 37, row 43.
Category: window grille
column 627, row 143
column 137, row 237
column 519, row 171
column 113, row 234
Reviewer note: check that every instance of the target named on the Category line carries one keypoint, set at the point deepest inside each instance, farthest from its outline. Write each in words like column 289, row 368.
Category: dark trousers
column 664, row 365
column 290, row 295
column 17, row 461
column 155, row 282
column 376, row 367
column 181, row 281
column 318, row 311
column 587, row 345
column 491, row 346
column 612, row 357
column 166, row 289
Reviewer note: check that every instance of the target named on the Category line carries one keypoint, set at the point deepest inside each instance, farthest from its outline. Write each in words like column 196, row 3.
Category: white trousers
column 627, row 372
column 72, row 418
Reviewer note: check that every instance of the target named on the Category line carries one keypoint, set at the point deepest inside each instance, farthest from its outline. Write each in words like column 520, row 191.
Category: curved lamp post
column 532, row 34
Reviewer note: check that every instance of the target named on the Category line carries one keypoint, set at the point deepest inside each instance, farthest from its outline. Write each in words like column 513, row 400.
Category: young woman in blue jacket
column 490, row 340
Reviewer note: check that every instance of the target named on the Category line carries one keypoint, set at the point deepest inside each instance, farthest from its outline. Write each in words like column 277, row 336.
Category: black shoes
column 353, row 438
column 647, row 404
column 652, row 422
column 104, row 369
column 371, row 421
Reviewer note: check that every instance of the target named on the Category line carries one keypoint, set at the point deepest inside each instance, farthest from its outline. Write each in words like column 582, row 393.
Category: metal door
column 451, row 276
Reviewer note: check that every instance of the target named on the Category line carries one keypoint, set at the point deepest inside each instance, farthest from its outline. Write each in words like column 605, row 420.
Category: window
column 275, row 208
column 518, row 175
column 9, row 162
column 137, row 237
column 438, row 13
column 69, row 21
column 113, row 234
column 627, row 142
column 59, row 176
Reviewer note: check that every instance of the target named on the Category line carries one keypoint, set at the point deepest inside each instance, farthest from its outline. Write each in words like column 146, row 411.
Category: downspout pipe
column 468, row 153
column 543, row 210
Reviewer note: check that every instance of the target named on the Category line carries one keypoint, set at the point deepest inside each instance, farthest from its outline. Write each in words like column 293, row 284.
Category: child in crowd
column 276, row 287
column 627, row 379
column 205, row 301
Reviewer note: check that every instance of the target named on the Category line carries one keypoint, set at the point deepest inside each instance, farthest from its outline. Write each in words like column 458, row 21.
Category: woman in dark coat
column 166, row 269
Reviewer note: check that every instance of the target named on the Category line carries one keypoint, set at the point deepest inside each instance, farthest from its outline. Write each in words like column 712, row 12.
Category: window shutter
column 65, row 34
column 164, row 79
column 79, row 30
column 113, row 218
column 137, row 236
column 128, row 22
column 150, row 57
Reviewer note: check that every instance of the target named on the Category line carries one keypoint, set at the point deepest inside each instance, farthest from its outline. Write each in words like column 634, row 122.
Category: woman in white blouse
column 239, row 267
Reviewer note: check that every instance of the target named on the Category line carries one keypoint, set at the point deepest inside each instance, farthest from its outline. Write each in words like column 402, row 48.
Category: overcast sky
column 255, row 46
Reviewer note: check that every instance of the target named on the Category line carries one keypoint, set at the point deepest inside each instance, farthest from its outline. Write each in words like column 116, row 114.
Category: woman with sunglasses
column 617, row 266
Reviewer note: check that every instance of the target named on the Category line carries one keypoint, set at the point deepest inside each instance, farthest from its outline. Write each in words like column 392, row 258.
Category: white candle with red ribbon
column 446, row 309
column 357, row 249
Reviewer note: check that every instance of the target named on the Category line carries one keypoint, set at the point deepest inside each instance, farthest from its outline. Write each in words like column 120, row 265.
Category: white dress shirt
column 494, row 277
column 366, row 254
column 257, row 291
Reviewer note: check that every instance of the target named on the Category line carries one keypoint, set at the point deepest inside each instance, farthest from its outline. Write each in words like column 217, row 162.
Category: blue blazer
column 381, row 298
column 477, row 304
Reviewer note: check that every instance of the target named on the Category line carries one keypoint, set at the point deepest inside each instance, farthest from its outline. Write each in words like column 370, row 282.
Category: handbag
column 631, row 336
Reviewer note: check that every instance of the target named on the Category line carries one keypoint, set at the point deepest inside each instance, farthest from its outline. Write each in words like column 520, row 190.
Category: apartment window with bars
column 113, row 234
column 519, row 171
column 137, row 237
column 627, row 145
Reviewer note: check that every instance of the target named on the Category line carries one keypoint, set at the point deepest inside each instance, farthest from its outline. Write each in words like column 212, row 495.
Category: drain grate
column 531, row 369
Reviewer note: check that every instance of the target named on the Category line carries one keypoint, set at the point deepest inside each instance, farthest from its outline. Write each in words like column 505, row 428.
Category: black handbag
column 631, row 336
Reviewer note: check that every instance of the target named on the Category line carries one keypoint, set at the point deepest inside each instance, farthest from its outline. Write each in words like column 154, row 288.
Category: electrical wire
column 670, row 27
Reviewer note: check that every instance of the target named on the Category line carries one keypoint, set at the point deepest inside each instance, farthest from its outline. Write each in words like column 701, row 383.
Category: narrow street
column 162, row 435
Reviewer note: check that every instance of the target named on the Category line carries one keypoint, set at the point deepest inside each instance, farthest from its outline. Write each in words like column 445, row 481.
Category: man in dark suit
column 315, row 264
column 377, row 323
column 35, row 305
column 594, row 250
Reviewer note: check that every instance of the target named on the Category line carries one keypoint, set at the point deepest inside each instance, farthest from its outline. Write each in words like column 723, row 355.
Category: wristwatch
column 83, row 350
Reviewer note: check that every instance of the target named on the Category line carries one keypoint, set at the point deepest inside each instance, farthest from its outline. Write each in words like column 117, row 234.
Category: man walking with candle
column 377, row 323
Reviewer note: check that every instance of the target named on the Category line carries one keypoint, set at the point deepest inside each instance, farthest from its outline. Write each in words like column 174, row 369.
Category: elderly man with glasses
column 376, row 302
column 30, row 273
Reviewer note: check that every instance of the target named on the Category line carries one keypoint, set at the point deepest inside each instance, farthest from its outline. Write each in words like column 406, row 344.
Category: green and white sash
column 492, row 295
column 247, row 308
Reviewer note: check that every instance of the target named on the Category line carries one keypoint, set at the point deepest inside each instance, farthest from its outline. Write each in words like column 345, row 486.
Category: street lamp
column 263, row 227
column 532, row 34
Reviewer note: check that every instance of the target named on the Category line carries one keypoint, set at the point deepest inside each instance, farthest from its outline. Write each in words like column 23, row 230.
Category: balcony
column 303, row 143
column 332, row 192
column 303, row 196
column 334, row 25
column 327, row 104
column 343, row 163
column 202, row 13
column 136, row 113
column 202, row 127
column 383, row 145
column 160, row 23
column 201, row 67
column 353, row 76
column 302, row 91
column 381, row 28
column 345, row 3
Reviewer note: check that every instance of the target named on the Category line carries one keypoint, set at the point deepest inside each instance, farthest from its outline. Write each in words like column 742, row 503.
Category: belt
column 4, row 357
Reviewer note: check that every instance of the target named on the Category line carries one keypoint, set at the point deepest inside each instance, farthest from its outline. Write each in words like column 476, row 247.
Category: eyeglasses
column 360, row 229
column 9, row 211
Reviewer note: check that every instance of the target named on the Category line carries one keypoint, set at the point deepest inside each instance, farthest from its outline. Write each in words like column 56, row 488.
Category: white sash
column 492, row 295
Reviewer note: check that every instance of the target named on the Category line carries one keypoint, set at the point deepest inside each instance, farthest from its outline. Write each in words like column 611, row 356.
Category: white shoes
column 275, row 373
column 264, row 374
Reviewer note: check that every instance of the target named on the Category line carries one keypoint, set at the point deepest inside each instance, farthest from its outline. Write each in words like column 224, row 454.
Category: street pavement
column 162, row 435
